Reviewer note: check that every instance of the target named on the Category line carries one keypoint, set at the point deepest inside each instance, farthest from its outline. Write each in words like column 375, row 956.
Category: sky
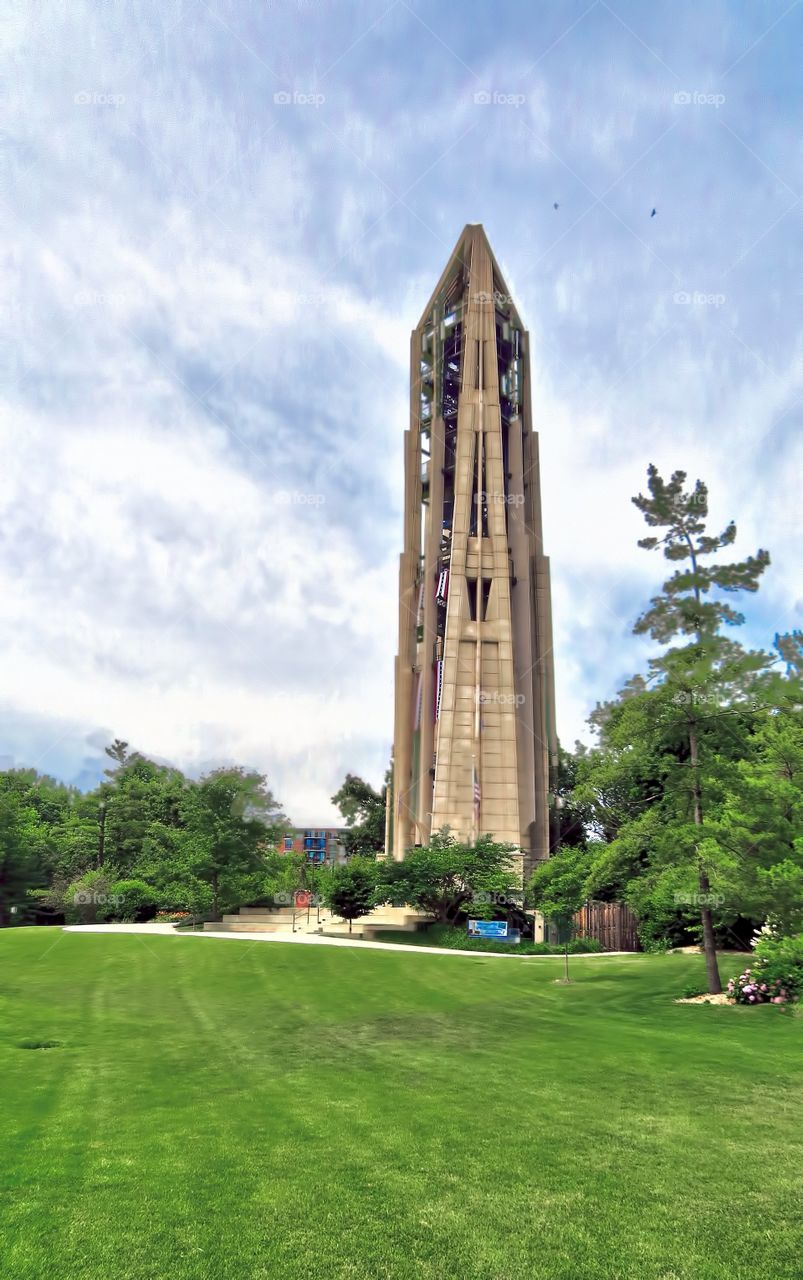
column 221, row 222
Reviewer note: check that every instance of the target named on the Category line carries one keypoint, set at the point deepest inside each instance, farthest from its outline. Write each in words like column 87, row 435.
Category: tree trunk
column 709, row 943
column 102, row 836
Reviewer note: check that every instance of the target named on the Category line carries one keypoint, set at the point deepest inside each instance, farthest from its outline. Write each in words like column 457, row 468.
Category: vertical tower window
column 486, row 595
column 479, row 494
column 479, row 594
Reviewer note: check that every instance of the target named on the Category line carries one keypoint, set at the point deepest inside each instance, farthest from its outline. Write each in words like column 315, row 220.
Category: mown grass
column 227, row 1109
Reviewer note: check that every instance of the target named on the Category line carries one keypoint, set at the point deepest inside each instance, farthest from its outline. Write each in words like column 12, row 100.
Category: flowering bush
column 767, row 933
column 171, row 917
column 752, row 987
column 776, row 975
column 782, row 958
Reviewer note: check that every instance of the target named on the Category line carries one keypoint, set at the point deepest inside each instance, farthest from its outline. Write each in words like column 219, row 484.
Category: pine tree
column 706, row 672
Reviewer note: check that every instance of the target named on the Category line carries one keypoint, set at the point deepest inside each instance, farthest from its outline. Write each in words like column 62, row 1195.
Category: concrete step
column 243, row 926
column 259, row 917
column 259, row 926
column 271, row 911
column 282, row 919
column 360, row 929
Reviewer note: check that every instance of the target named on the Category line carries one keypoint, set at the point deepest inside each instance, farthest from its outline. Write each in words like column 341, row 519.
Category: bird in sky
column 652, row 215
column 555, row 206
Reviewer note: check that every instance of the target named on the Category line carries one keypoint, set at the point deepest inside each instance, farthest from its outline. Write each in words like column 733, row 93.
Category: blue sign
column 487, row 928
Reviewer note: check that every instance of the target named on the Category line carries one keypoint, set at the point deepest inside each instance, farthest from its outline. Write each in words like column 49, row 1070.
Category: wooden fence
column 611, row 923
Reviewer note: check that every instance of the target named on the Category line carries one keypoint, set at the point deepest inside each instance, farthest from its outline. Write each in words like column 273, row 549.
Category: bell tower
column 475, row 744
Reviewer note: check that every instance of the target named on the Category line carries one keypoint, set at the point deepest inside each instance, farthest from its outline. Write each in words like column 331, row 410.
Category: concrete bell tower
column 475, row 745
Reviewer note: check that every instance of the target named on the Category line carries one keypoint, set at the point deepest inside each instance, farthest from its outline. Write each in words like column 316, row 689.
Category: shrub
column 187, row 895
column 173, row 917
column 455, row 939
column 776, row 975
column 750, row 987
column 653, row 946
column 132, row 900
column 779, row 963
column 693, row 989
column 584, row 946
column 89, row 899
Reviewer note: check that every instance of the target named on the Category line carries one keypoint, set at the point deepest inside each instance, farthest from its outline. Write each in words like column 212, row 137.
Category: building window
column 288, row 844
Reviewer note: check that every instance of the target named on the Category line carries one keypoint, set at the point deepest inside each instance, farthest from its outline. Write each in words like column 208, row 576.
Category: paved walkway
column 316, row 940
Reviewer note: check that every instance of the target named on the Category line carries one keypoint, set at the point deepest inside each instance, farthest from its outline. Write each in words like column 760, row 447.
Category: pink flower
column 777, row 999
column 763, row 986
column 752, row 999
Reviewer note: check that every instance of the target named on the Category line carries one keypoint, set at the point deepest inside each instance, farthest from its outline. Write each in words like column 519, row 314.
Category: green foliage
column 349, row 891
column 89, row 899
column 673, row 744
column 691, row 802
column 364, row 811
column 132, row 900
column 285, row 876
column 19, row 868
column 757, row 826
column 189, row 894
column 761, row 984
column 749, row 837
column 573, row 814
column 779, row 959
column 142, row 801
column 558, row 886
column 445, row 878
column 654, row 946
column 453, row 938
column 230, row 817
column 171, row 842
column 685, row 605
column 692, row 989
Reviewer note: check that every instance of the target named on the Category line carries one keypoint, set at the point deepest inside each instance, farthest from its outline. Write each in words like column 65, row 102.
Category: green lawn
column 232, row 1109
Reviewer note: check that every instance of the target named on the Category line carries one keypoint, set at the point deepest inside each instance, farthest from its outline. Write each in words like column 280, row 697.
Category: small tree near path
column 350, row 890
column 448, row 877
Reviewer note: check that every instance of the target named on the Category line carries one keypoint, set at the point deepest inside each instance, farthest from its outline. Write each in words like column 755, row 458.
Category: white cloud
column 211, row 298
